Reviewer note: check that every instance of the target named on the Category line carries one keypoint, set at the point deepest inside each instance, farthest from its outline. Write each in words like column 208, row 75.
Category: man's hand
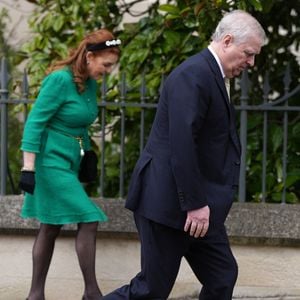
column 197, row 222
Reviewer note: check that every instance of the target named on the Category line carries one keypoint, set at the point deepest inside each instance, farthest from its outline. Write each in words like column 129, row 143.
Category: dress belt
column 78, row 138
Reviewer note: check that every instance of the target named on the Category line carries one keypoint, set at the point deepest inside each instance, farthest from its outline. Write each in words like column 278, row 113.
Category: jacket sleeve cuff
column 188, row 203
column 30, row 147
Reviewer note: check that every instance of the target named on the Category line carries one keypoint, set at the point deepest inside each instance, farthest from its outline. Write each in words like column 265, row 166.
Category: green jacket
column 59, row 107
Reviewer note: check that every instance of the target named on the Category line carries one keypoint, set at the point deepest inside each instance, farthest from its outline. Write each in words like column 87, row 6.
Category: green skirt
column 59, row 197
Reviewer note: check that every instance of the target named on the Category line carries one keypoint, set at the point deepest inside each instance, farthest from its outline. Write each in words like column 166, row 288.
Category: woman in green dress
column 54, row 138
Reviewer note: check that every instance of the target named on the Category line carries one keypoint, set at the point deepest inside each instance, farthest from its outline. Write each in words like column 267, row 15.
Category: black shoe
column 84, row 298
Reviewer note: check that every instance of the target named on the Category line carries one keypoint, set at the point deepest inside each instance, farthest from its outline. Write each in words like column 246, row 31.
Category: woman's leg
column 41, row 257
column 86, row 252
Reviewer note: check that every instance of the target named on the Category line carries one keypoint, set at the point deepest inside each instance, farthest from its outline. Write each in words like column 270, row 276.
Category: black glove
column 88, row 167
column 27, row 181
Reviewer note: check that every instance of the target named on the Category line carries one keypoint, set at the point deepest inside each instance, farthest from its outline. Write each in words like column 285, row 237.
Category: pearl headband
column 103, row 45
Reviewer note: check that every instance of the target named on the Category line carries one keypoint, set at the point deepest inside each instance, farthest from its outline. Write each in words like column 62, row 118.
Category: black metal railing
column 278, row 105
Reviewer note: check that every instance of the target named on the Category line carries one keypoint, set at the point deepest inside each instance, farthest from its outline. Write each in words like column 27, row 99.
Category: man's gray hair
column 241, row 26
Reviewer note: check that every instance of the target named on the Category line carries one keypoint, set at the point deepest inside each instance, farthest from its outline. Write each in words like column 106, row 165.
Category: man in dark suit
column 183, row 184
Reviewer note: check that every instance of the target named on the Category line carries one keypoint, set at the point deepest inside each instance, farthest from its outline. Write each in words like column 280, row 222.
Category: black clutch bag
column 88, row 167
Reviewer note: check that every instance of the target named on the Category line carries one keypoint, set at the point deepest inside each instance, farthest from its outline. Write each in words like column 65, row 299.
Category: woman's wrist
column 29, row 169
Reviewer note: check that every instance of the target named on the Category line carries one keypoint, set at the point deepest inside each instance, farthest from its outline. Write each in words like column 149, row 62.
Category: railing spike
column 123, row 87
column 245, row 84
column 104, row 87
column 266, row 86
column 4, row 74
column 25, row 85
column 162, row 83
column 143, row 89
column 287, row 78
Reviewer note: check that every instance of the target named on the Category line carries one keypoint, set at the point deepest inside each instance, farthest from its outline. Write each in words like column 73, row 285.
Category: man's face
column 238, row 57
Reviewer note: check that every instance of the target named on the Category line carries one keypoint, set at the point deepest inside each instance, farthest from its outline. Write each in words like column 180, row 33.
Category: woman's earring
column 87, row 62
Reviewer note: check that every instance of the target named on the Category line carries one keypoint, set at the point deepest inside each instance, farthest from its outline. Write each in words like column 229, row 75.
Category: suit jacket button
column 237, row 163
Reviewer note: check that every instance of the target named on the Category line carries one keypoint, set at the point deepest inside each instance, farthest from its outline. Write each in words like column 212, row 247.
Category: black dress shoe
column 84, row 298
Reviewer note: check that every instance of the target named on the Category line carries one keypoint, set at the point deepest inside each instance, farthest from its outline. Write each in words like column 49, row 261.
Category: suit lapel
column 220, row 82
column 218, row 75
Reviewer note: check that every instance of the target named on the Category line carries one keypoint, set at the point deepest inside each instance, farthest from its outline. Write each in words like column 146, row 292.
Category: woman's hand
column 27, row 181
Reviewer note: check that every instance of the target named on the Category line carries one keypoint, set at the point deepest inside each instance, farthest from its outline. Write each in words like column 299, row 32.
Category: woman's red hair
column 77, row 57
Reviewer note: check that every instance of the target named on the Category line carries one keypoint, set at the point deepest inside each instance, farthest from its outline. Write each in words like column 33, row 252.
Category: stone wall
column 268, row 224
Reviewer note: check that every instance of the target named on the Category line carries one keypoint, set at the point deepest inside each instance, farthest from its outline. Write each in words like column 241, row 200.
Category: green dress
column 59, row 115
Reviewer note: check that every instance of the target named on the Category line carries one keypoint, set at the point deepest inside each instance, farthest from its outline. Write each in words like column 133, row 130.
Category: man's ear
column 227, row 40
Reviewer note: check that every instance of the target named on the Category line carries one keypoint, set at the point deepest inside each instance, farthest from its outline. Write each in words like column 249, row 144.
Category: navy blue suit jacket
column 192, row 155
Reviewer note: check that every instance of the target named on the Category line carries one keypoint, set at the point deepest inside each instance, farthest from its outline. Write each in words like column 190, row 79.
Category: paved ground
column 249, row 298
column 65, row 283
column 260, row 294
column 239, row 296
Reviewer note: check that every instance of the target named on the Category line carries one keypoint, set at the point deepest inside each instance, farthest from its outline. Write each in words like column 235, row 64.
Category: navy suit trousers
column 162, row 249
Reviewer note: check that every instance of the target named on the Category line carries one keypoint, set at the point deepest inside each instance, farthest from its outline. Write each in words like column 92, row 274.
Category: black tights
column 42, row 254
column 86, row 252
